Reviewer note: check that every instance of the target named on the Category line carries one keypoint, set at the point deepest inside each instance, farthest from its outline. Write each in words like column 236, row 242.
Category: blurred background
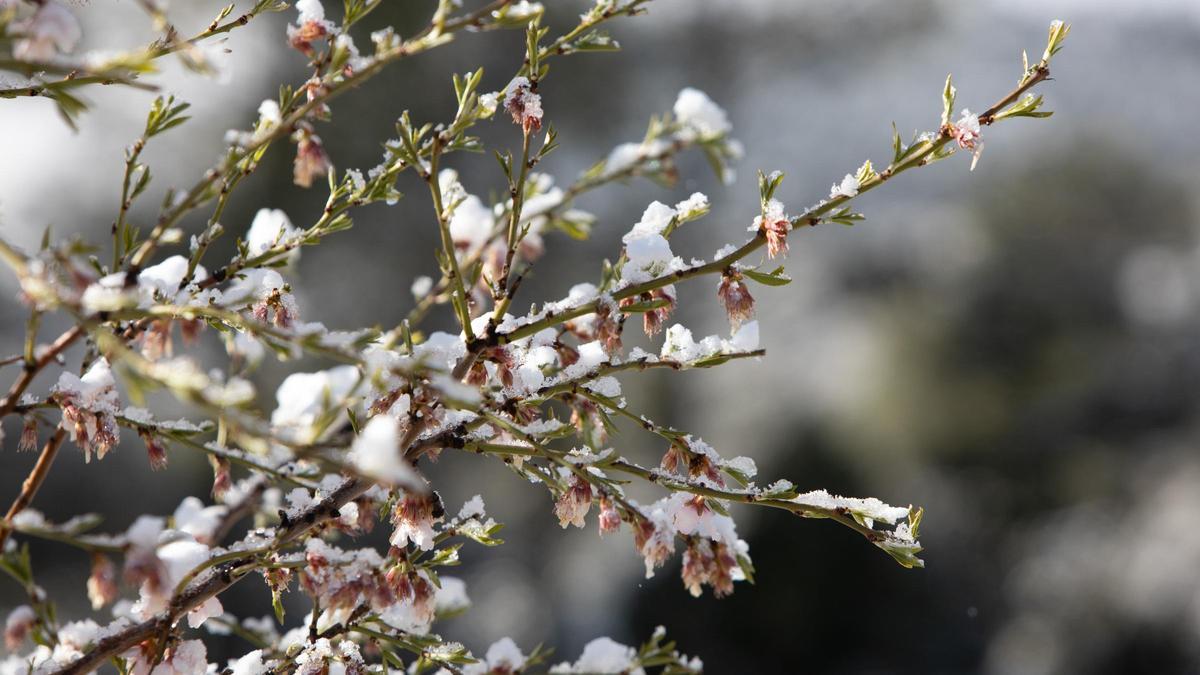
column 1012, row 348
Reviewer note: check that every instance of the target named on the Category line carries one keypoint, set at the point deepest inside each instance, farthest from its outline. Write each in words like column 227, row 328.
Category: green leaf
column 776, row 277
column 948, row 94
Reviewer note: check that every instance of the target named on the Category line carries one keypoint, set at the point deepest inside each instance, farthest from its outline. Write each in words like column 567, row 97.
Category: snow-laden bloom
column 700, row 115
column 524, row 105
column 198, row 520
column 735, row 298
column 271, row 228
column 376, row 453
column 49, row 31
column 503, row 657
column 303, row 398
column 269, row 296
column 967, row 133
column 89, row 404
column 178, row 558
column 573, row 504
column 413, row 519
column 17, row 626
column 310, row 25
column 847, row 188
column 654, row 538
column 775, row 225
column 189, row 657
column 610, row 518
column 603, row 656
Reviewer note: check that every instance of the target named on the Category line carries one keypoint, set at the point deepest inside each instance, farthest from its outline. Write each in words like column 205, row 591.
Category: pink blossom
column 775, row 225
column 610, row 518
column 967, row 133
column 29, row 437
column 413, row 519
column 51, row 30
column 573, row 504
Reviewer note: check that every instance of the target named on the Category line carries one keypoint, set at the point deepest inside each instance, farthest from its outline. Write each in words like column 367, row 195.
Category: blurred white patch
column 1157, row 285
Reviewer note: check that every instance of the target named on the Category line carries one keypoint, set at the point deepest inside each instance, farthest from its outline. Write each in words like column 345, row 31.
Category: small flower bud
column 774, row 224
column 573, row 504
column 29, row 437
column 735, row 297
column 610, row 518
column 524, row 105
column 155, row 452
column 311, row 159
column 16, row 628
column 102, row 584
column 222, row 478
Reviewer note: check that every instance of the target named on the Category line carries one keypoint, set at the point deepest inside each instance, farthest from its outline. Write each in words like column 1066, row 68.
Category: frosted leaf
column 868, row 508
column 693, row 207
column 743, row 465
column 473, row 508
column 623, row 157
column 605, row 386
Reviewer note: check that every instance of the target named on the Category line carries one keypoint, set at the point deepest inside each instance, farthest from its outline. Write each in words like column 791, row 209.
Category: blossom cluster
column 344, row 448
